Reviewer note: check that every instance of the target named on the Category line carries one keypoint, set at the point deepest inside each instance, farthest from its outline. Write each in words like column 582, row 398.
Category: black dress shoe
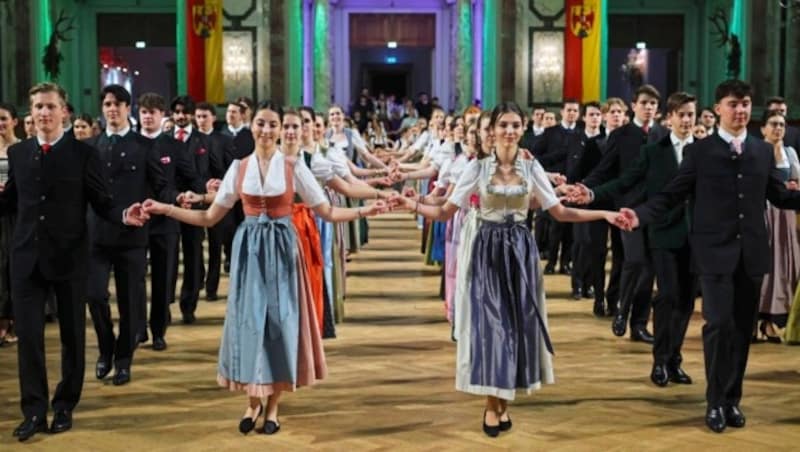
column 491, row 430
column 62, row 421
column 588, row 293
column 211, row 297
column 188, row 318
column 677, row 375
column 599, row 310
column 660, row 375
column 734, row 417
column 142, row 337
column 247, row 424
column 30, row 426
column 549, row 269
column 159, row 344
column 271, row 427
column 715, row 419
column 641, row 334
column 619, row 325
column 576, row 294
column 103, row 367
column 565, row 269
column 123, row 376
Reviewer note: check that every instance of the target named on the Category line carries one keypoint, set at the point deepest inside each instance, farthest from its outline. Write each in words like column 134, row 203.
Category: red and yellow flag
column 582, row 49
column 204, row 50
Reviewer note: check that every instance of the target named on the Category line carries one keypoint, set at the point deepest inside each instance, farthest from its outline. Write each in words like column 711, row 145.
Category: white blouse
column 274, row 184
column 321, row 167
column 537, row 181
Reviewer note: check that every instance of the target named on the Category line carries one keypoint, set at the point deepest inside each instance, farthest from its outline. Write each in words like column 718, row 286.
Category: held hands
column 375, row 208
column 152, row 207
column 577, row 194
column 791, row 185
column 187, row 198
column 135, row 215
column 626, row 219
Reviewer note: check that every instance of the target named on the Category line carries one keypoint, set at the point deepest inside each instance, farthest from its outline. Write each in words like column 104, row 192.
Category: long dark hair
column 480, row 152
column 503, row 108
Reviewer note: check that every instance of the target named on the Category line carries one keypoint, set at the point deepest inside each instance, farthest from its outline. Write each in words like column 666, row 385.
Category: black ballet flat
column 271, row 427
column 249, row 423
column 491, row 430
column 505, row 425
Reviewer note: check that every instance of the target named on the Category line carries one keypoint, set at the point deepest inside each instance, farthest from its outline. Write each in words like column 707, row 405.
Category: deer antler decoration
column 52, row 53
column 719, row 20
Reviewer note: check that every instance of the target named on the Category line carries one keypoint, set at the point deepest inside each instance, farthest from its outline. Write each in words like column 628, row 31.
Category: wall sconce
column 237, row 56
column 547, row 66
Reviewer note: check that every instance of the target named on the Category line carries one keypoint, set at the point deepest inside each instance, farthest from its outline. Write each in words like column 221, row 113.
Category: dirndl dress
column 271, row 340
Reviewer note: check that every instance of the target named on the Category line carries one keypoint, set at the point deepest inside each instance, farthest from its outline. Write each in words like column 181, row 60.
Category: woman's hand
column 375, row 208
column 212, row 186
column 187, row 198
column 156, row 208
column 399, row 202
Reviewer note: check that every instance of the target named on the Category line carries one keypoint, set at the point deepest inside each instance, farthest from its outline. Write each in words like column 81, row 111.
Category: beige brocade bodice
column 502, row 202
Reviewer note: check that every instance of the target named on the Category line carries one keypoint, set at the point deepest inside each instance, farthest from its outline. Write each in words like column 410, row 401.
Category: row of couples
column 256, row 348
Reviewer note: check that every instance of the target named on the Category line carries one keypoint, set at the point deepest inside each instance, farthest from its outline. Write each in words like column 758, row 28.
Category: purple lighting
column 477, row 50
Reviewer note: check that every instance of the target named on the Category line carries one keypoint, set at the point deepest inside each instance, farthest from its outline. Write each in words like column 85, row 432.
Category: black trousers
column 559, row 237
column 589, row 249
column 130, row 268
column 163, row 266
column 541, row 229
column 193, row 268
column 730, row 303
column 220, row 237
column 673, row 307
column 636, row 281
column 617, row 260
column 28, row 294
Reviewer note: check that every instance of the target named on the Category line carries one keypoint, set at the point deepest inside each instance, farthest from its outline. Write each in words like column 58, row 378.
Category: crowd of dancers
column 285, row 193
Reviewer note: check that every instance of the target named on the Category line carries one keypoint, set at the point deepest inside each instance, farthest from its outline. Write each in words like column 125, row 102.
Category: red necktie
column 646, row 129
column 181, row 134
column 46, row 148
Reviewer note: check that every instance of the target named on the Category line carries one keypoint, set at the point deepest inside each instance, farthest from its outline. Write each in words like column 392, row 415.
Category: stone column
column 294, row 52
column 321, row 17
column 490, row 49
column 464, row 75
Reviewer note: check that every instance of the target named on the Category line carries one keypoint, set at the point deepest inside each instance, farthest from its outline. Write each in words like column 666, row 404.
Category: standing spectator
column 779, row 284
column 423, row 106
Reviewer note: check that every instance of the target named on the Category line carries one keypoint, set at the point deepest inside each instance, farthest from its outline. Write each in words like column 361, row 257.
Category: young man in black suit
column 220, row 235
column 668, row 238
column 133, row 172
column 589, row 239
column 237, row 130
column 198, row 146
column 637, row 276
column 52, row 179
column 552, row 151
column 730, row 176
column 180, row 173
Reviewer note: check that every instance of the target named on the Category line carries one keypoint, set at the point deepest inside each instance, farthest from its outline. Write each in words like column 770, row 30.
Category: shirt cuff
column 124, row 216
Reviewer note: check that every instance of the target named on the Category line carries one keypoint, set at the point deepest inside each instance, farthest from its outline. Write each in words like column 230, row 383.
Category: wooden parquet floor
column 391, row 383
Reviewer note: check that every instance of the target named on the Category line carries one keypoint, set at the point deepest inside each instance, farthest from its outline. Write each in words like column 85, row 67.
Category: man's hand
column 627, row 220
column 135, row 215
